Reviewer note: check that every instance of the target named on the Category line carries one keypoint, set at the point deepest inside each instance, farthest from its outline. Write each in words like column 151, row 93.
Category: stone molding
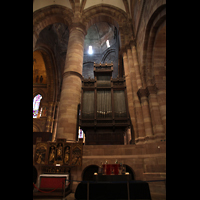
column 68, row 73
column 78, row 26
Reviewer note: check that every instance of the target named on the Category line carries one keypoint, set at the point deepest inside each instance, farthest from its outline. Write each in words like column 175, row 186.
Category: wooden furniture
column 116, row 190
column 104, row 113
column 59, row 153
column 109, row 169
column 108, row 178
column 53, row 186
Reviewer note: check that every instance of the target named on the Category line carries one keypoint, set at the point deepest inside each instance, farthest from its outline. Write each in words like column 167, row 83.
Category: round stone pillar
column 71, row 85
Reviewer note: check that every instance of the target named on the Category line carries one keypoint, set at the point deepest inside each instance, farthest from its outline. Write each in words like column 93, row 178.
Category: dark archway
column 129, row 169
column 34, row 175
column 88, row 172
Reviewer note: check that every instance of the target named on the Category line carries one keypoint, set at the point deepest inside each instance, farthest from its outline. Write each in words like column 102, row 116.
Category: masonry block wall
column 148, row 162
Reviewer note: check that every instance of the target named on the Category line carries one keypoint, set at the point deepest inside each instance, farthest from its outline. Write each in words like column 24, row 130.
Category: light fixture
column 107, row 43
column 90, row 50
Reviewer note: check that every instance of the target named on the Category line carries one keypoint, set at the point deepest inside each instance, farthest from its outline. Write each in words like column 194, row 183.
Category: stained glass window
column 36, row 105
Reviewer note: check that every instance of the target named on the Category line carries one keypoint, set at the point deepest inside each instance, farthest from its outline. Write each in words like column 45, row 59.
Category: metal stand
column 88, row 190
column 128, row 190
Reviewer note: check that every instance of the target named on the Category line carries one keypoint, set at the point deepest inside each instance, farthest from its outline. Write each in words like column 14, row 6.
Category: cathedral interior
column 99, row 80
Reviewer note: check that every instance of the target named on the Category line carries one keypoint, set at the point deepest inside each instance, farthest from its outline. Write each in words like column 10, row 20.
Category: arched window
column 36, row 105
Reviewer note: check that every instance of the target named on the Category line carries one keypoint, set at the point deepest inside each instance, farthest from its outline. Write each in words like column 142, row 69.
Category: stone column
column 71, row 86
column 142, row 93
column 49, row 117
column 129, row 94
column 155, row 112
column 138, row 110
column 136, row 65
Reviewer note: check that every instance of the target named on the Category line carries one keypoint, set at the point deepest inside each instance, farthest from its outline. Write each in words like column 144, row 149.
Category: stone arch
column 36, row 127
column 52, row 74
column 108, row 52
column 105, row 13
column 50, row 15
column 155, row 21
column 87, row 173
column 51, row 94
column 131, row 171
column 39, row 91
column 159, row 57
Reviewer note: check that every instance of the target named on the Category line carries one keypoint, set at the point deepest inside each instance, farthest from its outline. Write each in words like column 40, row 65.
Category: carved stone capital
column 142, row 93
column 132, row 43
column 127, row 47
column 152, row 89
column 78, row 26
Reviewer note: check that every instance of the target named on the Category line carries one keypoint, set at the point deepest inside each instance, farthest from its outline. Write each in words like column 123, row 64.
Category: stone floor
column 71, row 197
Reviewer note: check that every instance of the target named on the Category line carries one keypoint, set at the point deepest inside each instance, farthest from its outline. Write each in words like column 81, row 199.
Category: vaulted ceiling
column 55, row 36
column 125, row 5
column 97, row 35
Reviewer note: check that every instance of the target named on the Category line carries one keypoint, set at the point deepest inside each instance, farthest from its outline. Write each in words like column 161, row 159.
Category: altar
column 115, row 190
column 111, row 178
column 112, row 182
column 55, row 161
column 51, row 181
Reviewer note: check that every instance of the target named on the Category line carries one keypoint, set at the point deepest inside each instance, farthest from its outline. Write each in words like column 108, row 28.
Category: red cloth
column 108, row 168
column 53, row 182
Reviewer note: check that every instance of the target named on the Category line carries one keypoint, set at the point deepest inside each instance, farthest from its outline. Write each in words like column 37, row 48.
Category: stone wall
column 148, row 162
column 140, row 23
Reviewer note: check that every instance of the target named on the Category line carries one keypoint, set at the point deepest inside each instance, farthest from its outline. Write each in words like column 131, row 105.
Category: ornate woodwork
column 59, row 153
column 104, row 113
